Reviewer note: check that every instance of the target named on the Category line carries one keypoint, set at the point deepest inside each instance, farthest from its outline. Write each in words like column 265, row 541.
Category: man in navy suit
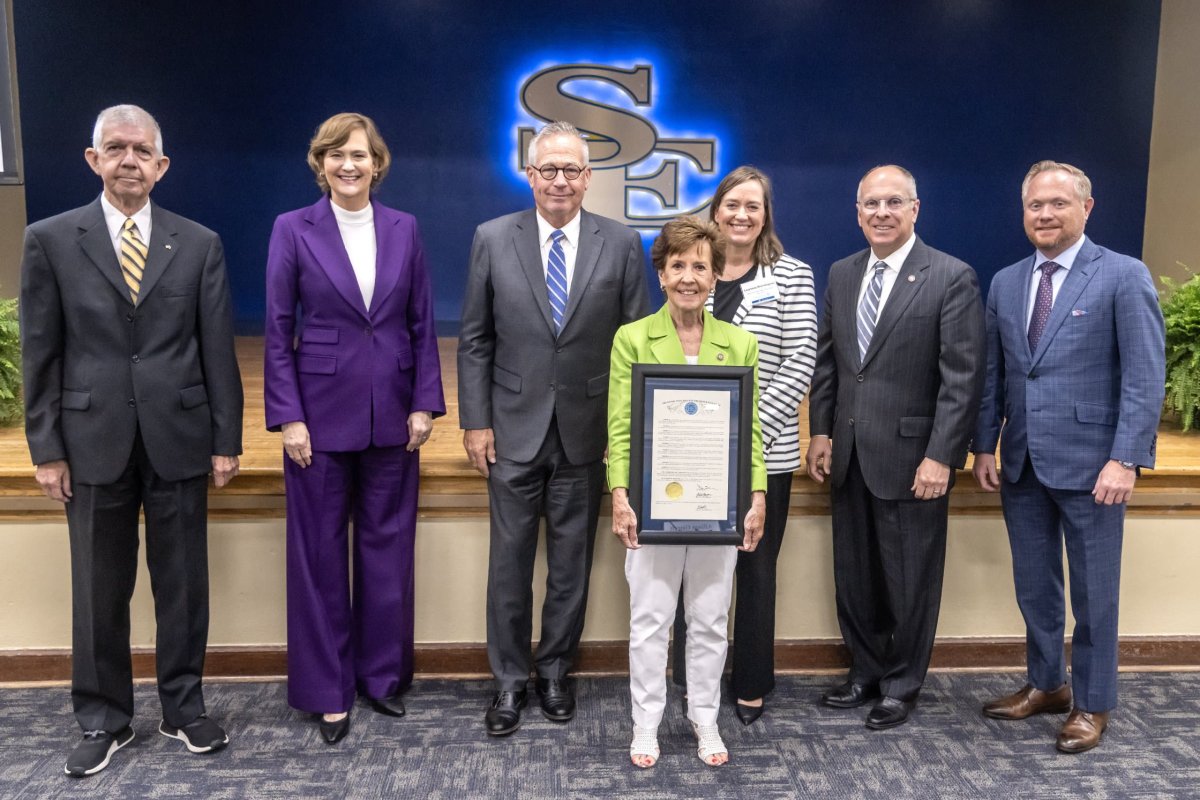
column 1075, row 381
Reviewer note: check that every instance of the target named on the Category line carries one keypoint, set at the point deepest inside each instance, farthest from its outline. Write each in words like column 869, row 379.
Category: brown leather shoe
column 1030, row 701
column 1081, row 731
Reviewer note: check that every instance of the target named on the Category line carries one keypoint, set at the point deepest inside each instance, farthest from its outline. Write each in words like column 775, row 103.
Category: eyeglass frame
column 893, row 204
column 557, row 169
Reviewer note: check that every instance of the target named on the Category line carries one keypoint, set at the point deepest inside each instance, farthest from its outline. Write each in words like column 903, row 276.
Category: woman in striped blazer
column 770, row 294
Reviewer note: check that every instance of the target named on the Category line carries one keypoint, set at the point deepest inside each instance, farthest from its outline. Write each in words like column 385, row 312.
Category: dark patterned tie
column 556, row 279
column 1042, row 305
column 868, row 310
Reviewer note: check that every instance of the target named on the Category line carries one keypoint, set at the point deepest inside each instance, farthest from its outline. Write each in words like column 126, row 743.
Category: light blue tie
column 868, row 310
column 556, row 280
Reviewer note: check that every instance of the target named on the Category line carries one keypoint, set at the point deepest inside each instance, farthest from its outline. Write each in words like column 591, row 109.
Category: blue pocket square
column 1078, row 312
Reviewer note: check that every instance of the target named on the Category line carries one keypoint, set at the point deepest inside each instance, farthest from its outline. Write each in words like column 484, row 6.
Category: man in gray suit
column 900, row 366
column 132, row 398
column 546, row 292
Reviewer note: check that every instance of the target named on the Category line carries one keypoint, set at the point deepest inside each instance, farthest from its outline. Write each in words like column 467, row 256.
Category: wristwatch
column 1127, row 464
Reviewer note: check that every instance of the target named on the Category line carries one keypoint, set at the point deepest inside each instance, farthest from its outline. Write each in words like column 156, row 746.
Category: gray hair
column 126, row 114
column 1083, row 184
column 557, row 128
column 908, row 177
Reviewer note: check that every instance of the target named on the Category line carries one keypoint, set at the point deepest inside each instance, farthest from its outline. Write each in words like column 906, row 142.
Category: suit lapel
column 910, row 280
column 163, row 246
column 1023, row 292
column 1081, row 272
column 590, row 245
column 387, row 251
column 845, row 314
column 714, row 344
column 96, row 244
column 324, row 241
column 664, row 341
column 529, row 253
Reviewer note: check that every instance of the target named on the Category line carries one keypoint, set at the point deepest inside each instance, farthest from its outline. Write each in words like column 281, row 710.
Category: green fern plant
column 11, row 410
column 1181, row 312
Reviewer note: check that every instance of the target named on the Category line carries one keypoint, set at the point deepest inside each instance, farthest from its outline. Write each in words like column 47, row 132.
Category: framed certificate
column 689, row 452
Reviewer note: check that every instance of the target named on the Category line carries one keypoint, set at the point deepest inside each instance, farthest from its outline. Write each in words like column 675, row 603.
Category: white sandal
column 645, row 743
column 709, row 744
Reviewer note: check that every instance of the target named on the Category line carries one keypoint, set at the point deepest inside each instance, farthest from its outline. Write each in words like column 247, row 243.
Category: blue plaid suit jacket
column 1093, row 389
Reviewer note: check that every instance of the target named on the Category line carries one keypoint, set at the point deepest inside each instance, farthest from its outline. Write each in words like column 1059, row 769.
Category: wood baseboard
column 443, row 660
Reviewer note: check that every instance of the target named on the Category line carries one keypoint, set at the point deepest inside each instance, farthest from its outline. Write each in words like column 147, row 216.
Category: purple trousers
column 350, row 636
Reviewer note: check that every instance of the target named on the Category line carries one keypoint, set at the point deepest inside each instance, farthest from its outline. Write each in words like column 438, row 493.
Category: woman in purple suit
column 352, row 379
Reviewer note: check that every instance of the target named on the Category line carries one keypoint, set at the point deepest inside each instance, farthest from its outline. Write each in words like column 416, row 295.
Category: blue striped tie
column 556, row 280
column 868, row 310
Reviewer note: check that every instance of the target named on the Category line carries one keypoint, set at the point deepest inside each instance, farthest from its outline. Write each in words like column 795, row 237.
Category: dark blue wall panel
column 965, row 93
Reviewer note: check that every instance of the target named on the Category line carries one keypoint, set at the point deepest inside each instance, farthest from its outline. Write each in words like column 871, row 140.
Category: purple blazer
column 352, row 374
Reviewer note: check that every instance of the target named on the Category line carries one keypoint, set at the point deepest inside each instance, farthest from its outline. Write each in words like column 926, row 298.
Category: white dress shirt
column 1065, row 260
column 114, row 219
column 894, row 262
column 570, row 244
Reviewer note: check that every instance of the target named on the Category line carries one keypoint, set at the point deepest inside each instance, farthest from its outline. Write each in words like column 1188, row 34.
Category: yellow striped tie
column 133, row 258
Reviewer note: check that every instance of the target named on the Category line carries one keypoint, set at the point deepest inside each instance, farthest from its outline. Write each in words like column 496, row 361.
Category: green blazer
column 653, row 340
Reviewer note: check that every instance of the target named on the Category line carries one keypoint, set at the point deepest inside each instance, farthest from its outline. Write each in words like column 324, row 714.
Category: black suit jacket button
column 367, row 331
column 852, row 422
column 136, row 358
column 129, row 317
column 859, row 378
column 131, row 403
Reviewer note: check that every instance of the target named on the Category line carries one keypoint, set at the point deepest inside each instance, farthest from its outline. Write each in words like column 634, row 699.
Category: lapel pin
column 912, row 278
column 167, row 246
column 720, row 356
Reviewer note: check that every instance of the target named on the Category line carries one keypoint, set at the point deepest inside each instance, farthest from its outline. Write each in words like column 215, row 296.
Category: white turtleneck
column 358, row 236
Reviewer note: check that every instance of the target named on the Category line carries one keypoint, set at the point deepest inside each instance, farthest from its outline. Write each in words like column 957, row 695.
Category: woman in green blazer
column 689, row 255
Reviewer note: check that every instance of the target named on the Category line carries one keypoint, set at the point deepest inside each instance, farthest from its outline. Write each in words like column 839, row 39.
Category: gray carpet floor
column 797, row 750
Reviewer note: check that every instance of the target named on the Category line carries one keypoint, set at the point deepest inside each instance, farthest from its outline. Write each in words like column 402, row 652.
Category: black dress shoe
column 850, row 695
column 888, row 713
column 504, row 716
column 748, row 714
column 333, row 732
column 558, row 701
column 392, row 705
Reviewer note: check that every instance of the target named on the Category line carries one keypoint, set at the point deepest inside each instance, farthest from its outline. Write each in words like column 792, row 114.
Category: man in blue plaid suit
column 1075, row 383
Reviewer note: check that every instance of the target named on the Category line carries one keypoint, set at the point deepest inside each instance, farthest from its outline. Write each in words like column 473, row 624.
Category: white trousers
column 654, row 573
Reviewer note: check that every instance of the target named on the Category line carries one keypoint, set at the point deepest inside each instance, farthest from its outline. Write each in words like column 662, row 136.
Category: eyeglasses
column 550, row 172
column 892, row 203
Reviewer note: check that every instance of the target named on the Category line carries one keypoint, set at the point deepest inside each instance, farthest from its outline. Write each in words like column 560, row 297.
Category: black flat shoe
column 748, row 714
column 333, row 732
column 558, row 701
column 888, row 713
column 392, row 706
column 504, row 716
column 850, row 695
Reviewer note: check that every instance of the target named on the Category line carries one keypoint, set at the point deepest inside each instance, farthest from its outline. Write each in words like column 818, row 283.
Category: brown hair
column 682, row 234
column 335, row 132
column 768, row 248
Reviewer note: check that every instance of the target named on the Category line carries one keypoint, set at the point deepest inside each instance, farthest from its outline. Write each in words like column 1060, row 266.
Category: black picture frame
column 729, row 528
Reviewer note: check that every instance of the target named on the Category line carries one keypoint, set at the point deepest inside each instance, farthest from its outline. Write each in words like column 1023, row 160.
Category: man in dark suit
column 547, row 290
column 897, row 383
column 132, row 398
column 1075, row 380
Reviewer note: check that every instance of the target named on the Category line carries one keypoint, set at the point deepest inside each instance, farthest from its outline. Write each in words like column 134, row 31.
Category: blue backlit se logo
column 639, row 177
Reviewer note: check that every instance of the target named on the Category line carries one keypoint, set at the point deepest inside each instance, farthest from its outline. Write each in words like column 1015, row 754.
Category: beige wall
column 1159, row 596
column 1172, row 239
column 12, row 231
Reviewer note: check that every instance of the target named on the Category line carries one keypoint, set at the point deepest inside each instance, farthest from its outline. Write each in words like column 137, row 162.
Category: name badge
column 760, row 291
